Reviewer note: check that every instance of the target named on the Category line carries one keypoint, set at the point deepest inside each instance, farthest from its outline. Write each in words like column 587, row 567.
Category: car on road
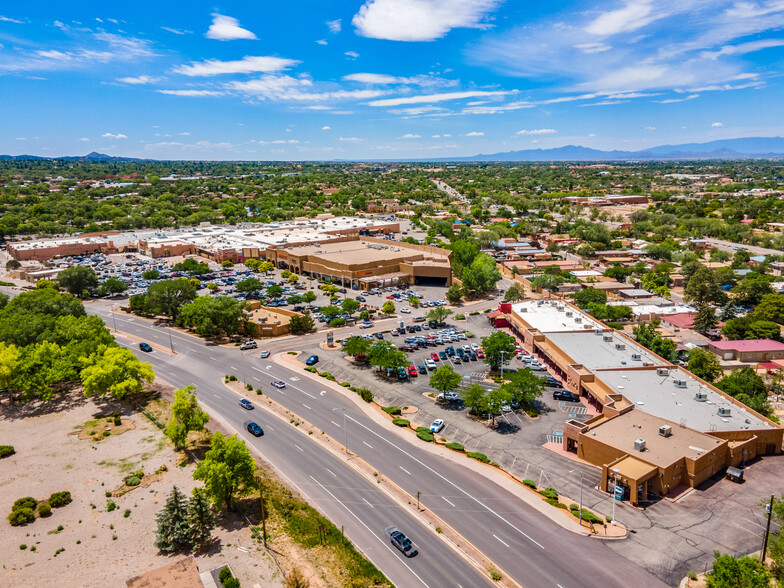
column 448, row 396
column 312, row 360
column 437, row 425
column 280, row 384
column 403, row 543
column 246, row 404
column 412, row 371
column 145, row 347
column 248, row 345
column 419, row 319
column 378, row 335
column 255, row 429
column 565, row 395
column 264, row 354
column 431, row 365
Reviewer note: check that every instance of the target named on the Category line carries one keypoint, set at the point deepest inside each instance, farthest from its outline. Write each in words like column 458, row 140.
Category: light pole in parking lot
column 345, row 430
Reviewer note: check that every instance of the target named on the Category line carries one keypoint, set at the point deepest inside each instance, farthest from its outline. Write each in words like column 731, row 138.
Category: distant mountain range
column 744, row 148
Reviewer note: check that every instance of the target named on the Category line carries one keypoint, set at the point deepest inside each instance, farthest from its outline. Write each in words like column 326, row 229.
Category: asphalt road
column 523, row 542
column 731, row 247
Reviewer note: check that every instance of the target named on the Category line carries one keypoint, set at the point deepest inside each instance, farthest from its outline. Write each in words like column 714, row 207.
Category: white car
column 405, row 310
column 431, row 365
column 437, row 426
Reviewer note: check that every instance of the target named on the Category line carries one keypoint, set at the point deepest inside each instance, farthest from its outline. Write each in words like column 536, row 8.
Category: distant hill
column 94, row 156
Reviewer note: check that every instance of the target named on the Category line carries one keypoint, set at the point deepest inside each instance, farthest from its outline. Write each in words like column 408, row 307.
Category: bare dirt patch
column 97, row 546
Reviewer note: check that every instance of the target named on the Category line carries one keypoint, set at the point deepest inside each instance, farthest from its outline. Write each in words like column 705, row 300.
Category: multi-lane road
column 524, row 543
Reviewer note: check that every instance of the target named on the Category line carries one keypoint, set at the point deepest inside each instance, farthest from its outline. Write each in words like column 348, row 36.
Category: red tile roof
column 749, row 346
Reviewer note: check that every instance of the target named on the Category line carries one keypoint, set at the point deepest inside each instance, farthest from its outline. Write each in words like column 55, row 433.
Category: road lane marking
column 334, row 423
column 405, row 470
column 232, row 367
column 213, row 359
column 335, row 498
column 368, row 444
column 501, row 540
column 216, row 395
column 300, row 448
column 331, row 472
column 322, row 393
column 366, row 502
column 448, row 502
column 306, row 406
column 255, row 378
column 257, row 369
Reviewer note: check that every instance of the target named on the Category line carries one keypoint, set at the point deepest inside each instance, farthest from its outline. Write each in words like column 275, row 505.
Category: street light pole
column 502, row 364
column 579, row 473
column 345, row 430
column 614, row 500
column 114, row 320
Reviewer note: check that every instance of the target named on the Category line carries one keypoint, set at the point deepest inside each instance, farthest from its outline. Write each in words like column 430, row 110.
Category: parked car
column 280, row 384
column 422, row 369
column 565, row 395
column 248, row 345
column 419, row 319
column 256, row 430
column 437, row 426
column 264, row 354
column 246, row 404
column 431, row 365
column 405, row 310
column 403, row 543
column 312, row 360
column 448, row 396
column 145, row 347
column 412, row 371
column 434, row 357
column 552, row 382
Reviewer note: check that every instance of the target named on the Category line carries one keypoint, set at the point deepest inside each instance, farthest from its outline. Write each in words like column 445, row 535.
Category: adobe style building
column 45, row 249
column 366, row 262
column 658, row 426
column 751, row 350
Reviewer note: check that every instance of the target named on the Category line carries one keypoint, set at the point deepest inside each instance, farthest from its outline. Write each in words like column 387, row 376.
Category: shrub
column 26, row 502
column 345, row 384
column 473, row 313
column 127, row 513
column 110, row 505
column 291, row 353
column 248, row 387
column 555, row 503
column 325, row 374
column 692, row 575
column 224, row 575
column 133, row 481
column 391, row 410
column 608, row 518
column 401, row 422
column 232, row 378
column 310, row 369
column 23, row 547
column 495, row 575
column 455, row 446
column 530, row 483
column 117, row 421
column 365, row 394
column 6, row 450
column 231, row 583
column 44, row 510
column 459, row 317
column 479, row 456
column 549, row 493
column 21, row 516
column 425, row 434
column 258, row 391
column 495, row 464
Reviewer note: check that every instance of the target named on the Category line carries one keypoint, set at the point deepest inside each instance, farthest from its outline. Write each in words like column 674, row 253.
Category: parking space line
column 366, row 502
column 300, row 448
column 331, row 472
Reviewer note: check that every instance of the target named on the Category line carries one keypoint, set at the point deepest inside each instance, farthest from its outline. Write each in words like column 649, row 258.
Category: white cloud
column 717, row 125
column 536, row 132
column 114, row 136
column 185, row 134
column 191, row 93
column 21, row 138
column 84, row 139
column 13, row 20
column 419, row 20
column 744, row 48
column 175, row 31
column 417, row 111
column 446, row 135
column 227, row 28
column 248, row 64
column 138, row 80
column 198, row 146
column 281, row 87
column 351, row 54
column 673, row 100
column 475, row 134
column 410, row 136
column 436, row 97
column 593, row 47
column 650, row 128
column 334, row 25
column 350, row 139
column 322, row 42
column 635, row 15
column 326, row 128
column 385, row 79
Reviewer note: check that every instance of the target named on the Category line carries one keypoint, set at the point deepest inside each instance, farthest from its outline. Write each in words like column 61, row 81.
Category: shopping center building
column 657, row 427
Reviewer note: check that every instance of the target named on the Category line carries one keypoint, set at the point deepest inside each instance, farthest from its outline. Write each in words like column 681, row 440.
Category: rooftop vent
column 587, row 327
column 608, row 338
column 724, row 411
column 620, row 345
column 665, row 430
column 647, row 364
column 662, row 371
column 598, row 332
column 701, row 396
column 636, row 357
column 569, row 313
column 639, row 445
column 679, row 383
column 578, row 319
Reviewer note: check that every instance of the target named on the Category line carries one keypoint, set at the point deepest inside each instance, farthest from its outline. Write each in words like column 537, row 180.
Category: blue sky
column 371, row 79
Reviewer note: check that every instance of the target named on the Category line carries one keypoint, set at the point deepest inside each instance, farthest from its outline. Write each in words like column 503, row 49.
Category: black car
column 145, row 347
column 246, row 404
column 422, row 369
column 255, row 429
column 565, row 395
column 552, row 382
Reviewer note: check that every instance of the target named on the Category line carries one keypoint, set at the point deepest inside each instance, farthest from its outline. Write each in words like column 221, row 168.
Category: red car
column 480, row 354
column 390, row 297
column 412, row 371
column 434, row 357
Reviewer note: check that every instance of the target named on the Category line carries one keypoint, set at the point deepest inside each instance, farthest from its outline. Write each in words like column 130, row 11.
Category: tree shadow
column 13, row 407
column 505, row 428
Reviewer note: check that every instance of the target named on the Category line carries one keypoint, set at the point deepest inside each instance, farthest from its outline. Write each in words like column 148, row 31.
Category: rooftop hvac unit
column 569, row 313
column 636, row 357
column 608, row 338
column 523, row 309
column 587, row 327
column 724, row 411
column 662, row 371
column 679, row 383
column 620, row 345
column 639, row 445
column 701, row 396
column 578, row 319
column 598, row 332
column 665, row 430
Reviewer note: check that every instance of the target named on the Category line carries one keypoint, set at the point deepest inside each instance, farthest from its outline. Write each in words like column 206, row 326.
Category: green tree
column 337, row 322
column 364, row 315
column 764, row 330
column 729, row 572
column 737, row 328
column 151, row 274
column 584, row 297
column 752, row 289
column 523, row 386
column 173, row 531
column 226, row 468
column 776, row 539
column 212, row 317
column 388, row 307
column 474, row 399
column 747, row 387
column 78, row 279
column 705, row 319
column 515, row 293
column 481, row 276
column 356, row 346
column 439, row 314
column 463, row 254
column 703, row 288
column 227, row 264
column 9, row 360
column 249, row 285
column 200, row 518
column 294, row 299
column 495, row 398
column 115, row 371
column 445, row 379
column 274, row 291
column 301, row 324
column 547, row 282
column 192, row 267
column 454, row 294
column 770, row 308
column 499, row 349
column 187, row 416
column 330, row 311
column 413, row 301
column 112, row 286
column 704, row 364
column 167, row 296
column 349, row 306
column 385, row 355
column 309, row 296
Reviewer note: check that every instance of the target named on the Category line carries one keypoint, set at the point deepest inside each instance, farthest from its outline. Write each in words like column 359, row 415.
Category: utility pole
column 418, row 493
column 502, row 365
column 767, row 530
column 263, row 511
column 345, row 430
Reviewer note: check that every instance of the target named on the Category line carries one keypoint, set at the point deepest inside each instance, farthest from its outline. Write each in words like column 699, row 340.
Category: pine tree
column 201, row 520
column 705, row 319
column 173, row 532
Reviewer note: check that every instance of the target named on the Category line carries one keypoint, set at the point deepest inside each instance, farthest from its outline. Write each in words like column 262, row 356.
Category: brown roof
column 181, row 573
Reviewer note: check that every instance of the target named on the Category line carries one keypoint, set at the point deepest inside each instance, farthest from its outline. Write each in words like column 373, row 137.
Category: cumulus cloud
column 322, row 42
column 114, row 136
column 410, row 136
column 192, row 93
column 138, row 80
column 248, row 64
column 475, row 134
column 717, row 125
column 536, row 132
column 350, row 139
column 650, row 128
column 419, row 20
column 326, row 128
column 425, row 98
column 84, row 139
column 227, row 28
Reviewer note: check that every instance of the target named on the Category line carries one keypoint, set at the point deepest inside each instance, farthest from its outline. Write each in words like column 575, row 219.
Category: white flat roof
column 595, row 353
column 549, row 316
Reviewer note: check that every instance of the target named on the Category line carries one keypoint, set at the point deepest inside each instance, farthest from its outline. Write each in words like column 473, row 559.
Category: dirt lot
column 100, row 547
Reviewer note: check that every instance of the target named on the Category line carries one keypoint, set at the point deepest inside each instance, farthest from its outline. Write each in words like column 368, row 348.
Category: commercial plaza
column 657, row 427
